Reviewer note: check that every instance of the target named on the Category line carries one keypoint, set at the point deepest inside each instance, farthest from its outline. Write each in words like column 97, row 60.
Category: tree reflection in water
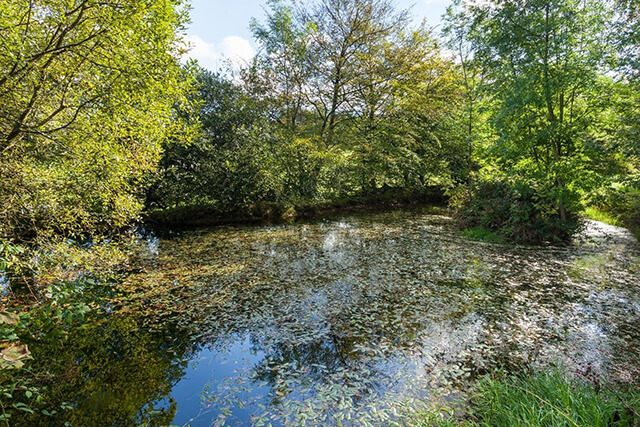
column 108, row 371
column 354, row 318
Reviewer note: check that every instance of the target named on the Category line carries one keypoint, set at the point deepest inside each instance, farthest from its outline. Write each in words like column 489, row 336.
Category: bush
column 514, row 210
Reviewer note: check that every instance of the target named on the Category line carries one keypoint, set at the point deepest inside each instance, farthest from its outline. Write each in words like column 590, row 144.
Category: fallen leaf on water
column 13, row 355
column 10, row 318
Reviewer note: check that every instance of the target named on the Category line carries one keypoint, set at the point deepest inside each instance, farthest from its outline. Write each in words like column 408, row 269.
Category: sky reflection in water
column 356, row 318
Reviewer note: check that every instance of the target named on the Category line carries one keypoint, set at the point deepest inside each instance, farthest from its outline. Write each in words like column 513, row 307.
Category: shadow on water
column 352, row 318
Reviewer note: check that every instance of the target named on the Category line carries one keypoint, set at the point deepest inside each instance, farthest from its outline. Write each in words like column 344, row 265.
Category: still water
column 356, row 319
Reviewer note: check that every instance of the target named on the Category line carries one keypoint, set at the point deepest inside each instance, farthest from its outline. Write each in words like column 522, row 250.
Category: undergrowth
column 482, row 234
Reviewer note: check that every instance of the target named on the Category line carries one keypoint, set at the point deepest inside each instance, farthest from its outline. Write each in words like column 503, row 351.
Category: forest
column 134, row 184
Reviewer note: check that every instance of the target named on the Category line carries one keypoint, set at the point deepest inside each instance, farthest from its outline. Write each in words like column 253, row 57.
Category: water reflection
column 354, row 319
column 108, row 371
column 358, row 316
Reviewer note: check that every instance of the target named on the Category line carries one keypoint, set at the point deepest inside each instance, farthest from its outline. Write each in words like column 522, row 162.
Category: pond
column 353, row 320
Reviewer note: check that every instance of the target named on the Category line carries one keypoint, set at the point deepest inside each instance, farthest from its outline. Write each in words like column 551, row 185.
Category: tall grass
column 482, row 234
column 542, row 400
column 602, row 216
column 551, row 399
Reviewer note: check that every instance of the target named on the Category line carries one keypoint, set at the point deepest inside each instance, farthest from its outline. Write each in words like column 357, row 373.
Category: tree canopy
column 87, row 89
column 345, row 99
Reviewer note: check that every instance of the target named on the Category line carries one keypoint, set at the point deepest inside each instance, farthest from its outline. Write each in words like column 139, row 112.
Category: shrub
column 514, row 210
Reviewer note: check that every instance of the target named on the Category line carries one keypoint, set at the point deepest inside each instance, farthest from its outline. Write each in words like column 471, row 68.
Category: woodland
column 518, row 120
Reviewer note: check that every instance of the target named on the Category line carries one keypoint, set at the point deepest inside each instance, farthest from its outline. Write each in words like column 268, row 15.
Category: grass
column 482, row 234
column 551, row 399
column 542, row 399
column 602, row 216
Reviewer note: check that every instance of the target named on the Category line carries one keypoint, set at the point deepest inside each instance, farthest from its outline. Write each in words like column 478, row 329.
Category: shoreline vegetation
column 551, row 399
column 624, row 212
column 180, row 217
column 192, row 217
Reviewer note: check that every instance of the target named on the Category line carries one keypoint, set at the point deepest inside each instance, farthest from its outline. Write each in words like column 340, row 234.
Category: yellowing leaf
column 10, row 318
column 13, row 356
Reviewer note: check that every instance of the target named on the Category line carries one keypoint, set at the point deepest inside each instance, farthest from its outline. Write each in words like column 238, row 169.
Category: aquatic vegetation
column 357, row 319
column 366, row 316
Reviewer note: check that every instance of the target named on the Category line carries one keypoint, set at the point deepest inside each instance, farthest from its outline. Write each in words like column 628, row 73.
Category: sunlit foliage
column 86, row 90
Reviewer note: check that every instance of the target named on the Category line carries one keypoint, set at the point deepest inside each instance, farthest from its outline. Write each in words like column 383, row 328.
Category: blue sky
column 219, row 29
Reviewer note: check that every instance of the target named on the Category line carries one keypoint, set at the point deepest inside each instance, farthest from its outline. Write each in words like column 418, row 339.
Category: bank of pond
column 370, row 318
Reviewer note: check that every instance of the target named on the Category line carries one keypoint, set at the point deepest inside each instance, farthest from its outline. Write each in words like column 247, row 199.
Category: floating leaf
column 10, row 318
column 13, row 356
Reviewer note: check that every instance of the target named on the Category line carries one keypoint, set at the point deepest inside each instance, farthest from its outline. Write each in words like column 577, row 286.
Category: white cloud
column 201, row 50
column 213, row 56
column 236, row 49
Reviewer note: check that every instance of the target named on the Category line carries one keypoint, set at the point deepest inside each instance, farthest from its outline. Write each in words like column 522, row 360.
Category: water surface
column 360, row 318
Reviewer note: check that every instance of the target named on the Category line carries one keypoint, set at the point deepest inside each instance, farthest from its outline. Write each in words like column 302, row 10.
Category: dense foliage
column 515, row 210
column 348, row 99
column 345, row 99
column 86, row 90
column 552, row 91
column 336, row 105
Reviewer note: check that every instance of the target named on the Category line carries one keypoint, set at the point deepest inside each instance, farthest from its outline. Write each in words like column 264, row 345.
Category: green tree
column 406, row 95
column 231, row 164
column 429, row 117
column 344, row 98
column 86, row 90
column 347, row 33
column 284, row 58
column 628, row 31
column 457, row 30
column 543, row 61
